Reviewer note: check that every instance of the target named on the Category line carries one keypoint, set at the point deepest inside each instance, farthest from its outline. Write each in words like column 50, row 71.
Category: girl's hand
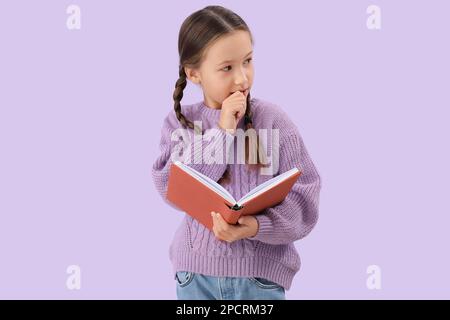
column 233, row 109
column 247, row 227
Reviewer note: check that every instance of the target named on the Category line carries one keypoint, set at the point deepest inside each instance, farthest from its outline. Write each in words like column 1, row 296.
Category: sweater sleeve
column 196, row 154
column 296, row 216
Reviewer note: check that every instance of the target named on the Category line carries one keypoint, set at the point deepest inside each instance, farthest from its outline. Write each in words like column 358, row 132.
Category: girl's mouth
column 245, row 92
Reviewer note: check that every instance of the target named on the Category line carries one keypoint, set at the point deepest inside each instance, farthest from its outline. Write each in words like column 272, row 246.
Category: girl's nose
column 241, row 78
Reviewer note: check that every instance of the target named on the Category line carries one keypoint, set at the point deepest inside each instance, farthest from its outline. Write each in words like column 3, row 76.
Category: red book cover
column 198, row 195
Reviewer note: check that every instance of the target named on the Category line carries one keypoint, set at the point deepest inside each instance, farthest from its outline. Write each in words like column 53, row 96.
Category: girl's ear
column 193, row 75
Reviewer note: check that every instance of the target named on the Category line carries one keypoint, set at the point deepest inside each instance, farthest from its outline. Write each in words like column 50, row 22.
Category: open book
column 198, row 195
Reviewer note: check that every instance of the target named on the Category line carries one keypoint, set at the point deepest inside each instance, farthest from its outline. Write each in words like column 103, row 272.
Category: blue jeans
column 196, row 286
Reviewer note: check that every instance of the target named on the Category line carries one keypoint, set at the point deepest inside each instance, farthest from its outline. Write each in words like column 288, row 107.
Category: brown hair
column 196, row 33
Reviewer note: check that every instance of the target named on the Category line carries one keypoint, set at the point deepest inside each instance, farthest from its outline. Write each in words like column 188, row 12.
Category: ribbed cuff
column 265, row 228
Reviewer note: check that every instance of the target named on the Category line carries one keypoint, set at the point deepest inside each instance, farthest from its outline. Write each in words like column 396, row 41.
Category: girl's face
column 227, row 67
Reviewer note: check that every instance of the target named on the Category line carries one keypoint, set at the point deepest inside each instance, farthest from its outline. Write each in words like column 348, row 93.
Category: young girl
column 256, row 258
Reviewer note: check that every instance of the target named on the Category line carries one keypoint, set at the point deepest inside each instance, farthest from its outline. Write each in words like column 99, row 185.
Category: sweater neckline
column 209, row 112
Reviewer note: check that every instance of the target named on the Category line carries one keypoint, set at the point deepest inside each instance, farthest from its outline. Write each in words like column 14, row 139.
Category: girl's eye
column 249, row 59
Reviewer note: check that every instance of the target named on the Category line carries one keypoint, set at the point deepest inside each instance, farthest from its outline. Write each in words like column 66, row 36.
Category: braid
column 177, row 96
column 248, row 114
column 248, row 123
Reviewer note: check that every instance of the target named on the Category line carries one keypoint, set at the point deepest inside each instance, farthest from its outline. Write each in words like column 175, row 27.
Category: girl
column 256, row 258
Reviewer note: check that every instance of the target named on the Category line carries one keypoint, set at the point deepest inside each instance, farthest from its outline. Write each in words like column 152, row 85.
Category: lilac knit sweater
column 271, row 253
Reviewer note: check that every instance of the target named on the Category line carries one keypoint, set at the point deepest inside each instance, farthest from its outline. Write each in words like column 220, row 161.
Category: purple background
column 80, row 119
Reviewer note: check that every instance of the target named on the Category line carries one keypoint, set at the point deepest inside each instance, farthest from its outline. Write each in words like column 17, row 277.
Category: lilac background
column 80, row 119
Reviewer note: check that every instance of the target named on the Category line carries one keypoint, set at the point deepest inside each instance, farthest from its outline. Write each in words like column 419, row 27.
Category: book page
column 266, row 186
column 213, row 185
